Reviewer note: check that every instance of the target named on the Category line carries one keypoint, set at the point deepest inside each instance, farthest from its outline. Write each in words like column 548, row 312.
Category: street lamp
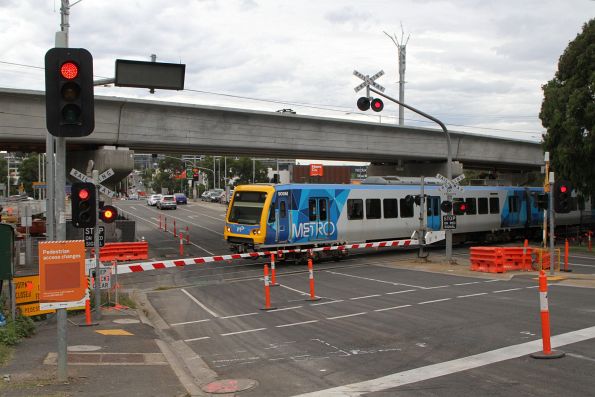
column 448, row 160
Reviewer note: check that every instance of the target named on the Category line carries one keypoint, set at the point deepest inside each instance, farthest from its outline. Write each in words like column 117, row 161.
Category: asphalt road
column 379, row 329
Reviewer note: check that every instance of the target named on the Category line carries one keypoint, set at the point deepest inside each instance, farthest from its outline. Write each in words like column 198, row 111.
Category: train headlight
column 256, row 232
column 228, row 229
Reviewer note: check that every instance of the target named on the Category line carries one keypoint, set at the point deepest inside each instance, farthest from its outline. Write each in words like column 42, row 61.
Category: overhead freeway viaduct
column 162, row 127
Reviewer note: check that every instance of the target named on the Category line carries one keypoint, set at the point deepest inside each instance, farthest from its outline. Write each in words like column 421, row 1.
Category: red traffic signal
column 83, row 194
column 108, row 213
column 377, row 105
column 83, row 200
column 69, row 70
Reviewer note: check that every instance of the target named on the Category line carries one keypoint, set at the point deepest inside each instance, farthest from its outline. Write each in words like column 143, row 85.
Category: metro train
column 271, row 217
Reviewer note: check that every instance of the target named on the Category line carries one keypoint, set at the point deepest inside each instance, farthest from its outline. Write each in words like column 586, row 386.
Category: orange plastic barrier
column 124, row 251
column 503, row 259
column 486, row 259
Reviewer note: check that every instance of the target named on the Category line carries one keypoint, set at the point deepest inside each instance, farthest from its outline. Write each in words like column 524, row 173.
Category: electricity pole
column 402, row 50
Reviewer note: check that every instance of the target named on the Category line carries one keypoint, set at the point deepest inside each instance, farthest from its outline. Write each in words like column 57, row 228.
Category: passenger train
column 271, row 217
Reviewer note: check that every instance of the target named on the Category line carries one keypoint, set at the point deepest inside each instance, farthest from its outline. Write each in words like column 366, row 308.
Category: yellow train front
column 246, row 220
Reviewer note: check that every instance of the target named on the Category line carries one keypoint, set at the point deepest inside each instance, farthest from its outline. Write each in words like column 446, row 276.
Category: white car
column 153, row 199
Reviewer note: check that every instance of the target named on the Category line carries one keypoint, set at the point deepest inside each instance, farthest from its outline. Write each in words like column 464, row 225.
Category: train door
column 433, row 212
column 514, row 208
column 282, row 216
column 318, row 215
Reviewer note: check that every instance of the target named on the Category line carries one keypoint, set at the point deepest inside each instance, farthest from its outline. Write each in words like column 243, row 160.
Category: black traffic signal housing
column 108, row 213
column 446, row 206
column 83, row 199
column 365, row 103
column 459, row 207
column 69, row 97
column 562, row 198
column 542, row 201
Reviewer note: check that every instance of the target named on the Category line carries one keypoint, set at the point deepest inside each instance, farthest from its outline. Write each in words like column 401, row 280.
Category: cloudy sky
column 478, row 65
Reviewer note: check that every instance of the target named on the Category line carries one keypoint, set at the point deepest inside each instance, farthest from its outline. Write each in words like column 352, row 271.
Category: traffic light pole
column 552, row 224
column 448, row 232
column 96, row 247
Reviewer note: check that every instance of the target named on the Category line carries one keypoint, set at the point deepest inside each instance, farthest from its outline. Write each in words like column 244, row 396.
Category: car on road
column 167, row 201
column 153, row 199
column 181, row 198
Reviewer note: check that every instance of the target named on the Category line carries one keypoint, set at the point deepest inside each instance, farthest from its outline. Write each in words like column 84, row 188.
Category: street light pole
column 448, row 159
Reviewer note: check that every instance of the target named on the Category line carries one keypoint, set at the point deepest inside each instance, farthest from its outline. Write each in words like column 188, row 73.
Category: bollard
column 313, row 296
column 545, row 322
column 566, row 248
column 187, row 236
column 267, row 290
column 525, row 246
column 181, row 244
column 274, row 282
column 590, row 233
column 165, row 222
column 159, row 221
column 88, row 322
column 175, row 233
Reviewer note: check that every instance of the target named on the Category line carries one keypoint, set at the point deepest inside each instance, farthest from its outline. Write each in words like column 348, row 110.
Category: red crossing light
column 563, row 188
column 108, row 213
column 69, row 70
column 83, row 194
column 377, row 105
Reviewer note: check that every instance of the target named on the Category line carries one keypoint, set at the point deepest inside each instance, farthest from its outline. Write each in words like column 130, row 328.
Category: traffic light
column 377, row 105
column 543, row 201
column 83, row 199
column 363, row 103
column 108, row 213
column 69, row 100
column 562, row 199
column 446, row 206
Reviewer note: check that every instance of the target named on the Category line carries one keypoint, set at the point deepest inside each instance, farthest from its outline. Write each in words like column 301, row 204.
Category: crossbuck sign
column 102, row 177
column 450, row 185
column 368, row 81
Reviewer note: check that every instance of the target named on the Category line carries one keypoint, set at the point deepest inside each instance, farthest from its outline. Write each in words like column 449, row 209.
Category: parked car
column 153, row 199
column 211, row 195
column 181, row 198
column 167, row 201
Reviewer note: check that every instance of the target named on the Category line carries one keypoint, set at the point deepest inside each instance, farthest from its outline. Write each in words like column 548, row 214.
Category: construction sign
column 62, row 271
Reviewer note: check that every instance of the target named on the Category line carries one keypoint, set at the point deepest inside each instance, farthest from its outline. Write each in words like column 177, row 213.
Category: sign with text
column 26, row 289
column 449, row 222
column 89, row 233
column 316, row 170
column 62, row 271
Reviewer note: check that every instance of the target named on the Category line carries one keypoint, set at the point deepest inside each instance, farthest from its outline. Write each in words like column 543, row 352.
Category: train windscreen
column 247, row 207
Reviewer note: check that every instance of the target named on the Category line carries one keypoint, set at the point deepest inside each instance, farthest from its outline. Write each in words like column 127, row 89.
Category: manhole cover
column 229, row 386
column 127, row 321
column 83, row 348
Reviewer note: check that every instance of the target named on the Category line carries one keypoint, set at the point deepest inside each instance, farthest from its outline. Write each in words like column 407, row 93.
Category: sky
column 477, row 65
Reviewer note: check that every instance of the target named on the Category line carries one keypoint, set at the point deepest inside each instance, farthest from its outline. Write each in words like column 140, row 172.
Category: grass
column 5, row 354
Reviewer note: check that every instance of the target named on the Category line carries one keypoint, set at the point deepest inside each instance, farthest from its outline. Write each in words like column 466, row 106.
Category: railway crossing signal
column 69, row 97
column 446, row 206
column 108, row 213
column 366, row 102
column 459, row 207
column 542, row 201
column 562, row 198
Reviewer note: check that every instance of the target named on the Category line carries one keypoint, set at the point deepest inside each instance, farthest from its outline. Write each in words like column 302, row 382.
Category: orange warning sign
column 62, row 271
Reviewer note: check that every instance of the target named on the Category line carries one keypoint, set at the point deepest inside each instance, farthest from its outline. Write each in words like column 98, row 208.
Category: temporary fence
column 504, row 259
column 124, row 251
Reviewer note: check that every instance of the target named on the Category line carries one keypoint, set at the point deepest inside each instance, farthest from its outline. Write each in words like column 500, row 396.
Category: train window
column 390, row 208
column 455, row 208
column 322, row 205
column 406, row 208
column 272, row 214
column 372, row 208
column 471, row 206
column 513, row 204
column 494, row 205
column 355, row 209
column 312, row 209
column 282, row 209
column 482, row 204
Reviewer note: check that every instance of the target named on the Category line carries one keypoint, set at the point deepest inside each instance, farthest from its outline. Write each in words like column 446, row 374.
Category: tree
column 568, row 113
column 29, row 173
column 244, row 168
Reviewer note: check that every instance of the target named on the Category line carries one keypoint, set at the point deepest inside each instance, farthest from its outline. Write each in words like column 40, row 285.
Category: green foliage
column 3, row 169
column 568, row 113
column 14, row 331
column 29, row 172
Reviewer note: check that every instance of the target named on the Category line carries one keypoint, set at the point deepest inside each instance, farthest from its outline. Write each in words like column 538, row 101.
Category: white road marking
column 534, row 286
column 190, row 322
column 285, row 308
column 400, row 292
column 347, row 315
column 238, row 315
column 193, row 339
column 506, row 290
column 473, row 282
column 491, row 281
column 292, row 324
column 467, row 296
column 450, row 367
column 582, row 257
column 578, row 264
column 294, row 290
column 212, row 313
column 326, row 303
column 439, row 286
column 391, row 308
column 434, row 301
column 364, row 297
column 373, row 279
column 243, row 332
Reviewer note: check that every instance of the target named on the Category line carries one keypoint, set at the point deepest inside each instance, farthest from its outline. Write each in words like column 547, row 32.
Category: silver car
column 167, row 201
column 153, row 199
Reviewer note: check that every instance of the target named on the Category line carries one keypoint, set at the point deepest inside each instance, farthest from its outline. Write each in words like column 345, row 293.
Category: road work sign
column 62, row 271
